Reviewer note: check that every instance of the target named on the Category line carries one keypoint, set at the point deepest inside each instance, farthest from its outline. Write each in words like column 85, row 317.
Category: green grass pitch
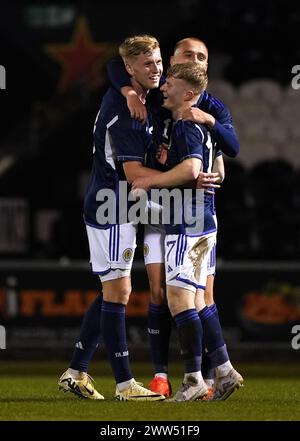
column 28, row 392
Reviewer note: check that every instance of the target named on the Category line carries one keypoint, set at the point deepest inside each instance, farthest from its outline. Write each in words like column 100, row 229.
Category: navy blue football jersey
column 117, row 138
column 223, row 131
column 190, row 140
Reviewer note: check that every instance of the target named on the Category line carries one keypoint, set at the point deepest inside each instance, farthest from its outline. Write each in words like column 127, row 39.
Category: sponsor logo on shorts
column 146, row 249
column 127, row 254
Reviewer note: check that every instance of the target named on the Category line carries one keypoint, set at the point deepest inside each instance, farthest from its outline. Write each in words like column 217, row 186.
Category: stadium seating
column 266, row 90
column 222, row 89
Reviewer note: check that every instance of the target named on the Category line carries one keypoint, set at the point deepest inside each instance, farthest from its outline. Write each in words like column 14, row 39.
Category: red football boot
column 161, row 385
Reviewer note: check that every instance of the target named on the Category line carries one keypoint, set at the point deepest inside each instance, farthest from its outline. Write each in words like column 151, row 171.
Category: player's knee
column 209, row 290
column 124, row 294
column 209, row 298
column 179, row 300
column 157, row 295
column 120, row 295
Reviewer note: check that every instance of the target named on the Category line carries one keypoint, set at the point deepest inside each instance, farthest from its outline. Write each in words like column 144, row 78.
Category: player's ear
column 189, row 95
column 172, row 60
column 128, row 67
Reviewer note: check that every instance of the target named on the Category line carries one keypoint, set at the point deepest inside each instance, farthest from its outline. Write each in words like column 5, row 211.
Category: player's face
column 146, row 69
column 191, row 50
column 175, row 93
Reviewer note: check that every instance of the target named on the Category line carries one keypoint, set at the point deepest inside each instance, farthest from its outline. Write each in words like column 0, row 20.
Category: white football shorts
column 154, row 247
column 211, row 263
column 186, row 259
column 154, row 244
column 212, row 258
column 112, row 250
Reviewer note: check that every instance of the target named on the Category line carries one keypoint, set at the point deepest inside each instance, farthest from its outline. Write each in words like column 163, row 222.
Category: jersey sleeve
column 129, row 140
column 117, row 74
column 223, row 130
column 189, row 138
column 226, row 138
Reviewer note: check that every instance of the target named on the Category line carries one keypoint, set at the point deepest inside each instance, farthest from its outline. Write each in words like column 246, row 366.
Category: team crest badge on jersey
column 146, row 249
column 127, row 254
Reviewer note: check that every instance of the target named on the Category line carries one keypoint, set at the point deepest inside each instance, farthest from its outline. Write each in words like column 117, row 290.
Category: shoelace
column 88, row 377
column 185, row 387
column 138, row 383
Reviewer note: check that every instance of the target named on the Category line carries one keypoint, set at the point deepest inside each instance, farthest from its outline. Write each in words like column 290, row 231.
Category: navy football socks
column 89, row 337
column 190, row 339
column 113, row 330
column 159, row 330
column 213, row 340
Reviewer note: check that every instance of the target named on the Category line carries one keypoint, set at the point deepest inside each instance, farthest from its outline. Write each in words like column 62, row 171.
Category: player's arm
column 222, row 129
column 134, row 170
column 206, row 183
column 121, row 80
column 130, row 146
column 189, row 149
column 185, row 172
column 117, row 74
column 226, row 138
column 218, row 167
column 198, row 116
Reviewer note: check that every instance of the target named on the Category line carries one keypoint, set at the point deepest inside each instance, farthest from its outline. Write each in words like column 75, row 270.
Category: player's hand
column 138, row 193
column 142, row 183
column 137, row 108
column 162, row 153
column 208, row 181
column 198, row 116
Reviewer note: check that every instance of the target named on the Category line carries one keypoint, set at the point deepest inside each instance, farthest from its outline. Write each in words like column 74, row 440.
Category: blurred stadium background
column 54, row 55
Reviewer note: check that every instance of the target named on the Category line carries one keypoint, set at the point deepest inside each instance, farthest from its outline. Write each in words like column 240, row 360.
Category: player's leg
column 209, row 290
column 217, row 368
column 182, row 305
column 111, row 252
column 116, row 291
column 76, row 379
column 89, row 337
column 159, row 317
column 208, row 371
column 183, row 257
column 216, row 362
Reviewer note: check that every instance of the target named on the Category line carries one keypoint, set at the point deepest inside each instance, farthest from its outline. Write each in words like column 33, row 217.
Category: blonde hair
column 192, row 73
column 136, row 45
